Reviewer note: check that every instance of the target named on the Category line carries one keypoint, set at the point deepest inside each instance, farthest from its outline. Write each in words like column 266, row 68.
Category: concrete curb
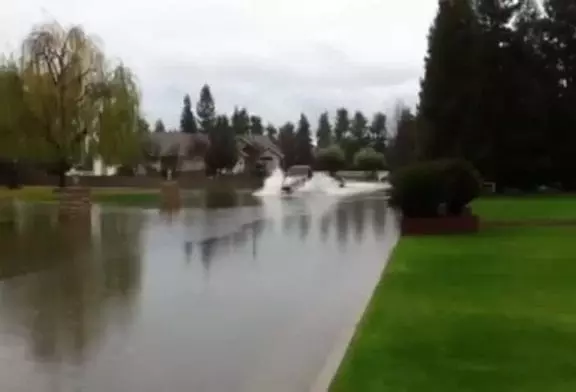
column 324, row 379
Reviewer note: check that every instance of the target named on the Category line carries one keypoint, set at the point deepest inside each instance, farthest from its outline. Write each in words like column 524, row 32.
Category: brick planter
column 441, row 225
column 6, row 210
column 170, row 195
column 74, row 202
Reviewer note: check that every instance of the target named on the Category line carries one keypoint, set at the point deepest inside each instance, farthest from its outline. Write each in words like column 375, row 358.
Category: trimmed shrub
column 370, row 160
column 435, row 188
column 417, row 190
column 463, row 184
column 125, row 171
column 330, row 159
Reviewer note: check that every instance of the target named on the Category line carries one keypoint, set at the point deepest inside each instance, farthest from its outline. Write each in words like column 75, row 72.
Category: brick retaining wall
column 188, row 181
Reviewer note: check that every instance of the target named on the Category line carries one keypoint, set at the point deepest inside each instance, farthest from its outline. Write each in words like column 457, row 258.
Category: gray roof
column 179, row 143
column 185, row 144
column 263, row 142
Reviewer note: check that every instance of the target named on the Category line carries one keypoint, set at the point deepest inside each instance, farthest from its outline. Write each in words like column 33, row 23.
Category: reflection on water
column 342, row 226
column 325, row 224
column 378, row 219
column 304, row 226
column 65, row 280
column 238, row 294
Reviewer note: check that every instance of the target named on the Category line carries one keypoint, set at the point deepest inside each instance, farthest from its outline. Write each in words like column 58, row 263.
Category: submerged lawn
column 115, row 196
column 526, row 207
column 490, row 312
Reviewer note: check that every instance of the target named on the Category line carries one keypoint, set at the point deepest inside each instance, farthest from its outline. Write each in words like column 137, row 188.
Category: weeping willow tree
column 13, row 113
column 119, row 135
column 70, row 104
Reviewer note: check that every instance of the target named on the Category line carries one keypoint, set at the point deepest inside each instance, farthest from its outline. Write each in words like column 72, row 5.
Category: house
column 257, row 150
column 179, row 151
column 91, row 164
column 185, row 152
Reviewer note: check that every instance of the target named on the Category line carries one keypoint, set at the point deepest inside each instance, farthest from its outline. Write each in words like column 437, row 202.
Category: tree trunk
column 61, row 178
column 61, row 171
column 14, row 176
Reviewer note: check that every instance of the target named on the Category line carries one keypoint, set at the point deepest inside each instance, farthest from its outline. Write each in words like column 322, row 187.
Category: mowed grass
column 525, row 208
column 494, row 311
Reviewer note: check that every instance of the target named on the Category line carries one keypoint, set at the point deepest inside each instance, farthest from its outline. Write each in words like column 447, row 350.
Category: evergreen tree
column 223, row 153
column 378, row 132
column 228, row 144
column 206, row 110
column 303, row 141
column 159, row 126
column 358, row 137
column 499, row 90
column 505, row 138
column 271, row 132
column 287, row 141
column 324, row 132
column 256, row 127
column 342, row 125
column 559, row 47
column 447, row 91
column 403, row 149
column 241, row 122
column 359, row 129
column 187, row 120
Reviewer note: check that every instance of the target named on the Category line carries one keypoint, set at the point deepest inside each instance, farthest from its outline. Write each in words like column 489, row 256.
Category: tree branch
column 48, row 61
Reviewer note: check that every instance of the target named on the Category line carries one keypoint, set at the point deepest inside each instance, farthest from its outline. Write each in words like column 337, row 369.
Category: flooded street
column 247, row 298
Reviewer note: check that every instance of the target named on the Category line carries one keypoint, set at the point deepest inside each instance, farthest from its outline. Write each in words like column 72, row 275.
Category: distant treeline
column 351, row 131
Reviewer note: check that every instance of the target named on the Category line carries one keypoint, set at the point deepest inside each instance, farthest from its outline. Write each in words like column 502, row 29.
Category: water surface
column 247, row 298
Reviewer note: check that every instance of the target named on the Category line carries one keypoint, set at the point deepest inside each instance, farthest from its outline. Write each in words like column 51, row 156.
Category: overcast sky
column 276, row 57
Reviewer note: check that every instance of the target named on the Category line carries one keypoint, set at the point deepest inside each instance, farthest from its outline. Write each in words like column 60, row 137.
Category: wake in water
column 272, row 185
column 320, row 183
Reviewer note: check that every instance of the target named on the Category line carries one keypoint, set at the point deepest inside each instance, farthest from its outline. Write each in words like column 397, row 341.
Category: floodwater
column 252, row 297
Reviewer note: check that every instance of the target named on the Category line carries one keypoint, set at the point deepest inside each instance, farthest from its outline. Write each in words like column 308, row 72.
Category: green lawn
column 489, row 312
column 526, row 207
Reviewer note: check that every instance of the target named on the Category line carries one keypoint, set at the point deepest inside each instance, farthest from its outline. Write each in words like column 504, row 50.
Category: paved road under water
column 249, row 298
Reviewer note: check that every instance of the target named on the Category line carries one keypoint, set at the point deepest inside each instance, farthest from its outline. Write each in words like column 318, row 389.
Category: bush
column 463, row 184
column 417, row 190
column 434, row 188
column 330, row 159
column 125, row 171
column 368, row 159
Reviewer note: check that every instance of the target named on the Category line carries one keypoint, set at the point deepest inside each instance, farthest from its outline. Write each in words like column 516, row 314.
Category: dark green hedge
column 435, row 188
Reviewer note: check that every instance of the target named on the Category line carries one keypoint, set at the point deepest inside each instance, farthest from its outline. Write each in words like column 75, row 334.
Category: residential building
column 258, row 149
column 182, row 151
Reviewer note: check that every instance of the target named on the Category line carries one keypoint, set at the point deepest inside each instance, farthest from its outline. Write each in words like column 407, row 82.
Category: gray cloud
column 277, row 57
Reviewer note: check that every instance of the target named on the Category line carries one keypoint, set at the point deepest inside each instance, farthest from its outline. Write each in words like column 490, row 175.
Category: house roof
column 262, row 142
column 179, row 143
column 185, row 144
